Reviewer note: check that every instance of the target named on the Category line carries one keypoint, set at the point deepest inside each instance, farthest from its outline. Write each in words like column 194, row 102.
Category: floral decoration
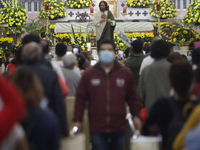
column 167, row 10
column 192, row 14
column 13, row 15
column 78, row 3
column 137, row 3
column 56, row 9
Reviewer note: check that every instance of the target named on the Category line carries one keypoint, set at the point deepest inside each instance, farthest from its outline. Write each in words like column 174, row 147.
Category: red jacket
column 107, row 95
column 13, row 107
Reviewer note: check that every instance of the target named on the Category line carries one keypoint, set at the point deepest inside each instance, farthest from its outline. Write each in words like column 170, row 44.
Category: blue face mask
column 106, row 56
column 189, row 58
column 10, row 59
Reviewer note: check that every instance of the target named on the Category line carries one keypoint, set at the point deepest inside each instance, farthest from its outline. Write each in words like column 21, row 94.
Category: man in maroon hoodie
column 107, row 87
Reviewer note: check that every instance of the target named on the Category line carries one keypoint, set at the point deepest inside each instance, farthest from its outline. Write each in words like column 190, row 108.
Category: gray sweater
column 154, row 83
column 72, row 80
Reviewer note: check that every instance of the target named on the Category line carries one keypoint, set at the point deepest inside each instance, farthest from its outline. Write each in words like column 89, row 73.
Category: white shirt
column 61, row 65
column 100, row 26
column 146, row 62
column 57, row 68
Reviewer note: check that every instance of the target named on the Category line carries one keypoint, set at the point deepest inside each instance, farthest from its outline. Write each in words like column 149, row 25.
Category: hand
column 76, row 124
column 137, row 123
column 108, row 20
column 122, row 60
column 102, row 20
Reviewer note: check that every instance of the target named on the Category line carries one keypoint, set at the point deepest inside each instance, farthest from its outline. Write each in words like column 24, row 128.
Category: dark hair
column 126, row 52
column 29, row 84
column 196, row 56
column 81, row 60
column 159, row 49
column 18, row 57
column 61, row 49
column 181, row 77
column 197, row 75
column 45, row 46
column 188, row 52
column 170, row 46
column 137, row 46
column 7, row 54
column 106, row 42
column 86, row 55
column 105, row 3
column 184, row 57
column 31, row 38
column 175, row 57
column 146, row 48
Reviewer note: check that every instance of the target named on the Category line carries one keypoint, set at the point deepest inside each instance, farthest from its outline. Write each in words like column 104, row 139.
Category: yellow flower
column 185, row 32
column 121, row 44
column 174, row 40
column 79, row 5
column 83, row 48
column 183, row 40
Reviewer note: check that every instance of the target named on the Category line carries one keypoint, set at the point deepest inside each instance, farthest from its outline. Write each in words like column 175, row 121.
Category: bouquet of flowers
column 167, row 10
column 143, row 36
column 18, row 31
column 78, row 3
column 137, row 3
column 13, row 15
column 119, row 44
column 6, row 44
column 56, row 9
column 183, row 36
column 192, row 14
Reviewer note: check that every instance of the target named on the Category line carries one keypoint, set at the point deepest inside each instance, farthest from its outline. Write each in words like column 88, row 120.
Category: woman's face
column 189, row 54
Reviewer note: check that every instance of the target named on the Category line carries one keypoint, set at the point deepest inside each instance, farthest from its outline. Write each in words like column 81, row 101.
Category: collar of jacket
column 116, row 66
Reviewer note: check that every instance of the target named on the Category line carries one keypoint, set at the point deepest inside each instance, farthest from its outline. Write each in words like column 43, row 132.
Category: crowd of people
column 160, row 87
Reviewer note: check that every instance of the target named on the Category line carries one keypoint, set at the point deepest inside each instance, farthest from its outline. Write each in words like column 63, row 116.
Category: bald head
column 32, row 53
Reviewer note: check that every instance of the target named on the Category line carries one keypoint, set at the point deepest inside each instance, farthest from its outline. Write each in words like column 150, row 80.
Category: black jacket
column 49, row 80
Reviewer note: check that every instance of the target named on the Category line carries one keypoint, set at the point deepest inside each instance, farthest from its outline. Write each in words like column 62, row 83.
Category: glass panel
column 40, row 6
column 178, row 4
column 29, row 6
column 35, row 6
column 184, row 4
column 23, row 4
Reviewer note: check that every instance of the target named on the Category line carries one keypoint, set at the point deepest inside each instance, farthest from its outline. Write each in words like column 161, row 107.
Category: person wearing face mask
column 189, row 56
column 9, row 58
column 106, row 87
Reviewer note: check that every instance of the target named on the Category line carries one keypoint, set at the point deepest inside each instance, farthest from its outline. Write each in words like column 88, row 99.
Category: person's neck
column 59, row 58
column 141, row 53
column 107, row 67
column 46, row 55
column 177, row 97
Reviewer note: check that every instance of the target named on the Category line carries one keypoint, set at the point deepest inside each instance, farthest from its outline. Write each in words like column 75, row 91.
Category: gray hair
column 32, row 53
column 68, row 60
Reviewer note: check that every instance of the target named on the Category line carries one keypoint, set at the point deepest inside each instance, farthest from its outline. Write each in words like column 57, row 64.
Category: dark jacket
column 53, row 92
column 134, row 63
column 106, row 95
column 46, row 62
column 42, row 129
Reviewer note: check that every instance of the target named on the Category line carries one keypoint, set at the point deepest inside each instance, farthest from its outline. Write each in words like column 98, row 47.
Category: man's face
column 102, row 7
column 107, row 47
